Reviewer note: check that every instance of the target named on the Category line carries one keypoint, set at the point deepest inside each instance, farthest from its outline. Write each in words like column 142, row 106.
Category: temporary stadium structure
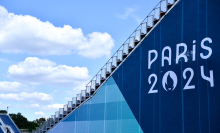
column 160, row 80
column 143, row 30
column 7, row 125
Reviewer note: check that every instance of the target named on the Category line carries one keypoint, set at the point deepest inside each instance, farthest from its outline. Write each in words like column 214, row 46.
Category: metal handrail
column 121, row 48
column 127, row 39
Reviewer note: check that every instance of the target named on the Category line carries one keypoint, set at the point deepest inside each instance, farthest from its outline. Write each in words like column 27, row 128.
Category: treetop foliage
column 23, row 123
column 3, row 111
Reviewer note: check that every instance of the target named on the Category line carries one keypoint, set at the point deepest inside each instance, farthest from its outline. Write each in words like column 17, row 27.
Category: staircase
column 133, row 41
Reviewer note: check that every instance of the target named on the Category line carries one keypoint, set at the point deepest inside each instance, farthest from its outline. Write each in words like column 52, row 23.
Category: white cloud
column 68, row 98
column 52, row 107
column 130, row 12
column 5, row 60
column 127, row 13
column 77, row 89
column 35, row 105
column 40, row 114
column 42, row 71
column 27, row 34
column 29, row 97
column 137, row 18
column 8, row 87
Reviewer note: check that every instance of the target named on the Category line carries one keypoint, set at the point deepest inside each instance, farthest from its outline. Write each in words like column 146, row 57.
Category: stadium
column 164, row 78
column 7, row 125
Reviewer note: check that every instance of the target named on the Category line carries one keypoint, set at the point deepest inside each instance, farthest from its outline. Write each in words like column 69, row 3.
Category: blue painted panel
column 185, row 97
column 106, row 112
column 7, row 121
column 180, row 110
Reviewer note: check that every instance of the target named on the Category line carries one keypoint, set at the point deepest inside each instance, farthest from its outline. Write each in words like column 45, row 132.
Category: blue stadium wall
column 174, row 98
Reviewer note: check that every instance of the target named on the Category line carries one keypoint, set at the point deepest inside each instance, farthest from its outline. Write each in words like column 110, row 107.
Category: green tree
column 40, row 120
column 3, row 111
column 23, row 123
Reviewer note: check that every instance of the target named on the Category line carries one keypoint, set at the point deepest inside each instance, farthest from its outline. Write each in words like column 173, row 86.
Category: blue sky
column 49, row 49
